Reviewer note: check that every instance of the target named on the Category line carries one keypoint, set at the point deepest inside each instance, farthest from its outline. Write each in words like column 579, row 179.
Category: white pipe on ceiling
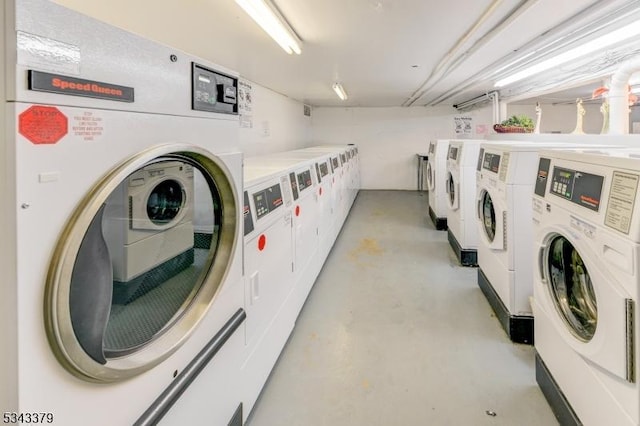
column 619, row 97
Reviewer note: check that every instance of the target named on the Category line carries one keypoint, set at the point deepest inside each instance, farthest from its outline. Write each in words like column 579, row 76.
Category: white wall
column 562, row 118
column 388, row 139
column 278, row 123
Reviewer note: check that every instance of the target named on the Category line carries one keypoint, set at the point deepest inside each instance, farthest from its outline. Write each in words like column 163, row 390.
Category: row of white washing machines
column 149, row 276
column 554, row 227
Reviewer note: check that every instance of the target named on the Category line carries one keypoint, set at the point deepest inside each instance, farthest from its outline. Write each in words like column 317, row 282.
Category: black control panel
column 343, row 158
column 324, row 170
column 304, row 180
column 267, row 200
column 213, row 91
column 480, row 158
column 246, row 212
column 318, row 173
column 491, row 162
column 542, row 176
column 583, row 189
column 335, row 163
column 432, row 148
column 294, row 185
column 453, row 152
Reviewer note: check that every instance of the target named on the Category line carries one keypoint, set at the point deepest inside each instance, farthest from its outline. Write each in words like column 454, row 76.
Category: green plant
column 518, row 121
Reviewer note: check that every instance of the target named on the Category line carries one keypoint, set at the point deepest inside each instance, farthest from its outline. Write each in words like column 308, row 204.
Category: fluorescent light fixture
column 337, row 87
column 606, row 40
column 274, row 24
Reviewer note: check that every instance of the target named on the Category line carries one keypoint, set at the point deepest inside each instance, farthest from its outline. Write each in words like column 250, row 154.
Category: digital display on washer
column 294, row 185
column 480, row 157
column 324, row 169
column 583, row 189
column 304, row 180
column 491, row 162
column 343, row 158
column 453, row 152
column 541, row 178
column 246, row 212
column 213, row 91
column 267, row 200
column 335, row 163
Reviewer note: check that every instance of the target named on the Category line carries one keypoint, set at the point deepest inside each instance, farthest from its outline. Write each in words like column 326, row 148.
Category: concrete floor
column 394, row 332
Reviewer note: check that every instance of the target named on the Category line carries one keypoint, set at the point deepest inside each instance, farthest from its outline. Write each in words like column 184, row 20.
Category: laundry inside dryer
column 160, row 230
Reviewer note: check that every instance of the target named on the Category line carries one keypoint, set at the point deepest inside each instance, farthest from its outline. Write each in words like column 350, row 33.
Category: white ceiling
column 384, row 52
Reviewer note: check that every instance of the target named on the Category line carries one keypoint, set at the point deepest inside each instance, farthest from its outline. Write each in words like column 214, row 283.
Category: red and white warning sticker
column 88, row 125
column 43, row 125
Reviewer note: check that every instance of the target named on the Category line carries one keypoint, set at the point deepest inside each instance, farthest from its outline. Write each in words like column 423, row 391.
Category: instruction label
column 88, row 125
column 622, row 198
column 504, row 167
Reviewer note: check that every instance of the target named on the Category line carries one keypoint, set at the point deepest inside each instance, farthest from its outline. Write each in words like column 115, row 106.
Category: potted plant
column 515, row 124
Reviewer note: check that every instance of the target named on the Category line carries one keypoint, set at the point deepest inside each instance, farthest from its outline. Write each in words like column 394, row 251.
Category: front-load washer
column 586, row 258
column 503, row 191
column 460, row 189
column 436, row 171
column 79, row 126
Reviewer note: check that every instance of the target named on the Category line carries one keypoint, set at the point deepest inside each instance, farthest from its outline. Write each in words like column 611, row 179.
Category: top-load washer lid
column 571, row 288
column 119, row 300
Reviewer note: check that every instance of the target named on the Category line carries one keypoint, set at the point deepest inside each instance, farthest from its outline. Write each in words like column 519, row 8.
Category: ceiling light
column 274, row 24
column 599, row 43
column 337, row 87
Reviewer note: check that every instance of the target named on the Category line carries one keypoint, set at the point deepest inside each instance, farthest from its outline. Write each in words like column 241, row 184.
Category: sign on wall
column 463, row 126
column 245, row 104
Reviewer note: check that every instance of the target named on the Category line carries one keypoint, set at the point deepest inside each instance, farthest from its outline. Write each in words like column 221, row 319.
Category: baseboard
column 519, row 328
column 466, row 257
column 439, row 222
column 554, row 396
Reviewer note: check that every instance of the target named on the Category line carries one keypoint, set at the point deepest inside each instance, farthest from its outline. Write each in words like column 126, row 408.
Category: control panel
column 583, row 189
column 453, row 152
column 246, row 213
column 267, row 200
column 480, row 158
column 318, row 173
column 491, row 162
column 432, row 148
column 294, row 185
column 335, row 163
column 324, row 170
column 213, row 91
column 541, row 178
column 304, row 180
column 343, row 158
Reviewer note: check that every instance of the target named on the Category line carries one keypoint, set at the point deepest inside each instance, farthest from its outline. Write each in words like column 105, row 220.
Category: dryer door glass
column 136, row 292
column 571, row 288
column 488, row 216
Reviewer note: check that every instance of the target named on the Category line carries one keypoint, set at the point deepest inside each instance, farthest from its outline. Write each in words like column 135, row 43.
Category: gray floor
column 394, row 332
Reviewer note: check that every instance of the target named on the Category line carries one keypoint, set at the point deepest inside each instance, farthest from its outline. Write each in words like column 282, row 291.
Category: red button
column 297, row 210
column 320, row 191
column 262, row 241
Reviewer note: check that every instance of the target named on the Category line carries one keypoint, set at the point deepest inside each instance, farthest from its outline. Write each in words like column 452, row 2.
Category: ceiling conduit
column 619, row 97
column 448, row 57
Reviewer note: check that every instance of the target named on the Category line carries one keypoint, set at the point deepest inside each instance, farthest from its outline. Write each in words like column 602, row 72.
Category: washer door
column 115, row 306
column 572, row 289
column 431, row 178
column 491, row 221
column 452, row 189
column 593, row 314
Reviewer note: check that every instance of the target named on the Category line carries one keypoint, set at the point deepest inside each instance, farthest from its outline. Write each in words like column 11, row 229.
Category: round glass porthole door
column 451, row 189
column 147, row 248
column 571, row 288
column 430, row 176
column 488, row 216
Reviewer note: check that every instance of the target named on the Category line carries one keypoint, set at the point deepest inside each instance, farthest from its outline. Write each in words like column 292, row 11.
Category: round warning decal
column 42, row 124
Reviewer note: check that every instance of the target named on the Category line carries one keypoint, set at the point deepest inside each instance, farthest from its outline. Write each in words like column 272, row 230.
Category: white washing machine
column 504, row 188
column 585, row 287
column 436, row 171
column 460, row 188
column 269, row 276
column 80, row 126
